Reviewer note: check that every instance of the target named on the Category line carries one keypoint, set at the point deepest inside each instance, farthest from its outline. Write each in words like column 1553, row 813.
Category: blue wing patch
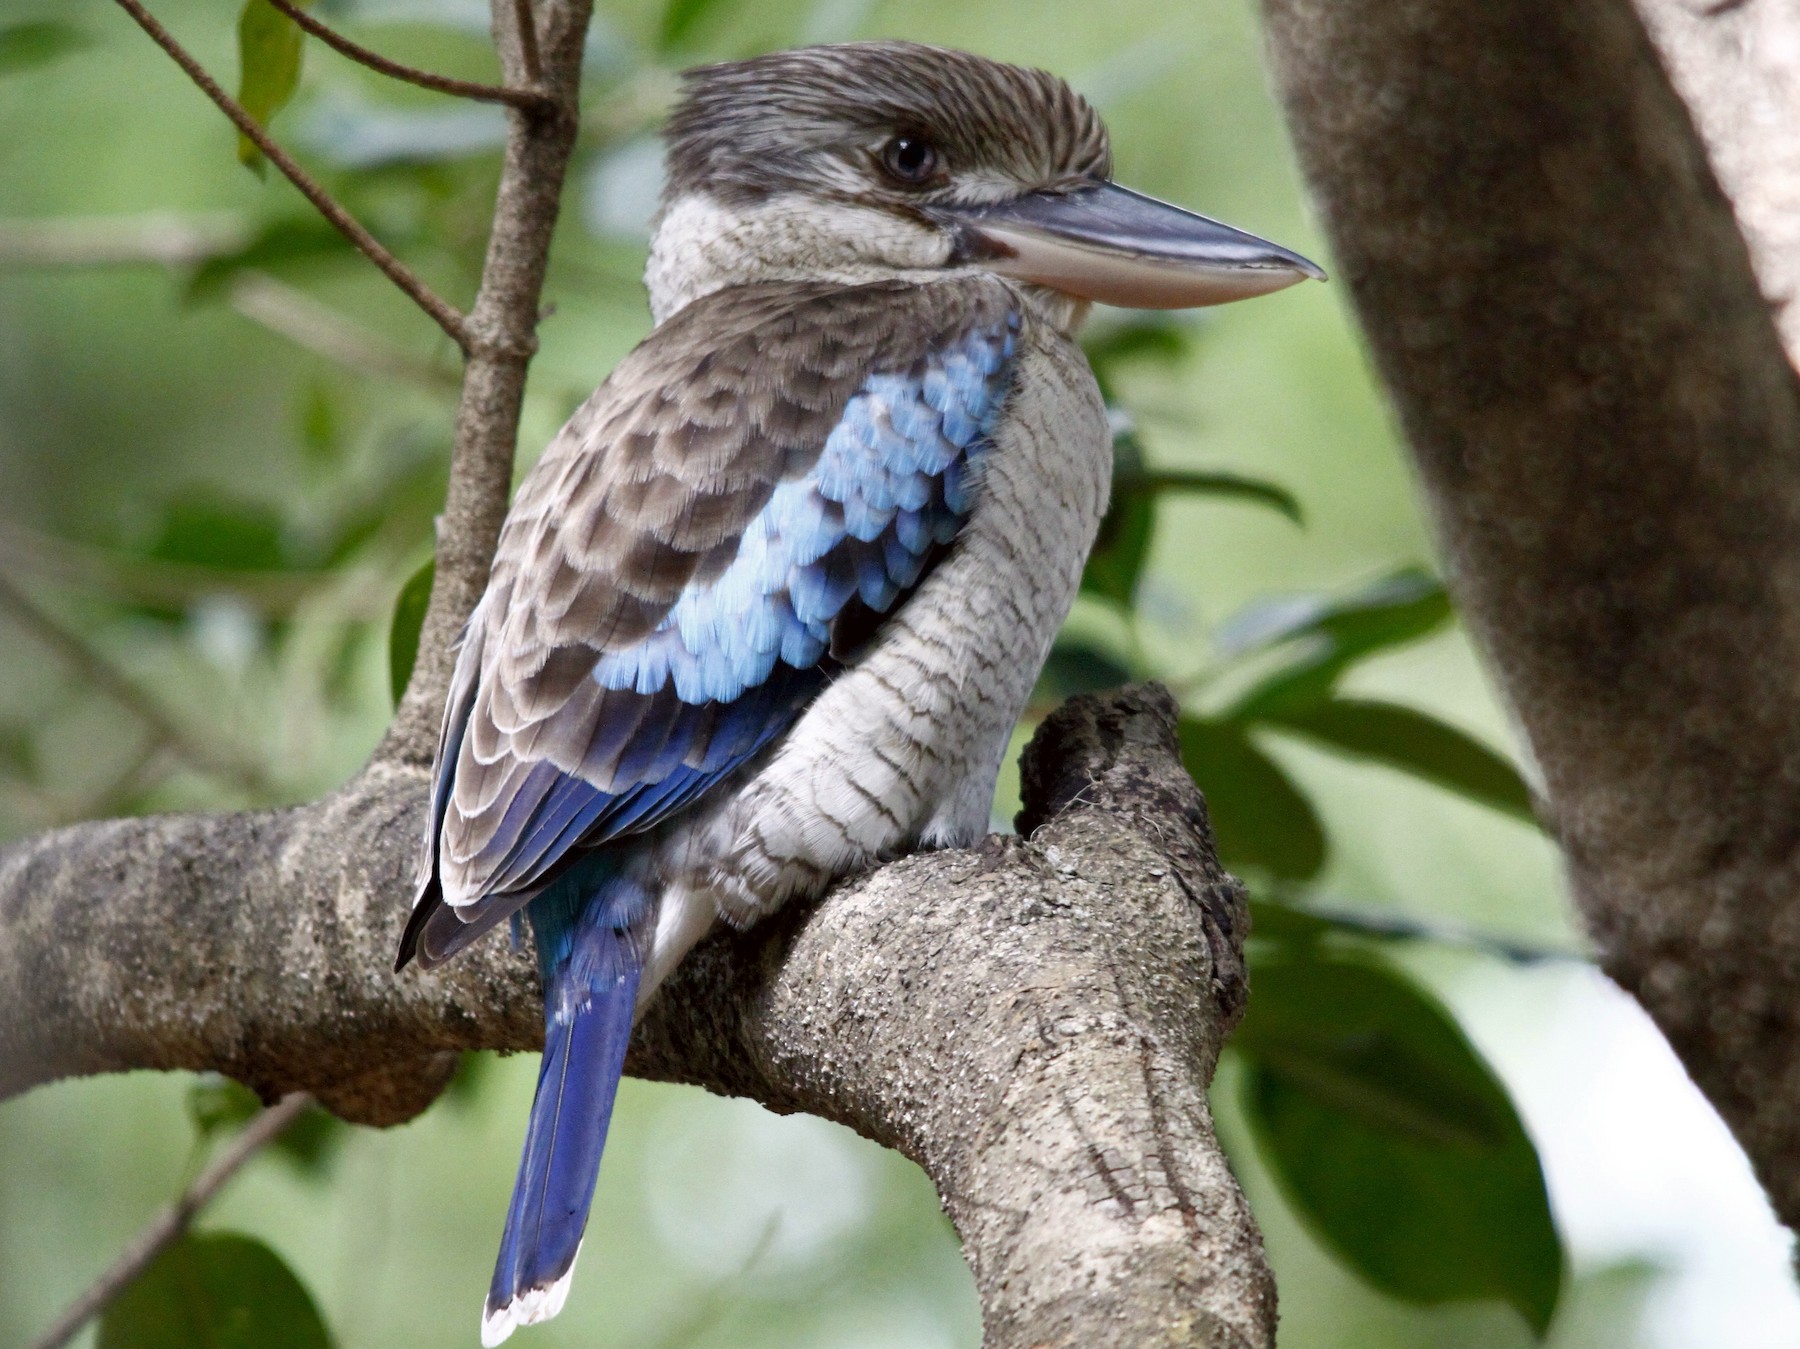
column 734, row 662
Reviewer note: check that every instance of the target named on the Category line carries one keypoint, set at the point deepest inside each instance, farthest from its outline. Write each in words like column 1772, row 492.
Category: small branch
column 167, row 1227
column 525, row 100
column 149, row 581
column 447, row 317
column 147, row 767
column 109, row 680
column 162, row 238
column 322, row 330
column 528, row 43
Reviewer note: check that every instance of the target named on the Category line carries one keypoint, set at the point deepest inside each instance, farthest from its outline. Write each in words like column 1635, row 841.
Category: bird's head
column 871, row 160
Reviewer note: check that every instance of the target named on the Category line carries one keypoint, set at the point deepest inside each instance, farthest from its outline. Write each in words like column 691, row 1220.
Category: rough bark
column 1607, row 430
column 1035, row 1022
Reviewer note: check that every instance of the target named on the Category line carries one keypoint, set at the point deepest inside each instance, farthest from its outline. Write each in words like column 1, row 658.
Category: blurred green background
column 222, row 440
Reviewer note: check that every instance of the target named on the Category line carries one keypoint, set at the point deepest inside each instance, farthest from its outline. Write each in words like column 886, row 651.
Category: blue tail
column 590, row 993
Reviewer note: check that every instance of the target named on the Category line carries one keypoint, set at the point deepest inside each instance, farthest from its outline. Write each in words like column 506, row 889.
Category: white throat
column 701, row 245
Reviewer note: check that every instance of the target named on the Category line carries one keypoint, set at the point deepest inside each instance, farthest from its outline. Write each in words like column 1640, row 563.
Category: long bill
column 1107, row 243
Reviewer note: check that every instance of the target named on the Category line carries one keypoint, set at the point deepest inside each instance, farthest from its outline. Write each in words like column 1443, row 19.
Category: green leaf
column 1392, row 1138
column 403, row 633
column 216, row 1290
column 215, row 1103
column 1278, row 920
column 680, row 18
column 1260, row 818
column 1123, row 543
column 311, row 1141
column 204, row 529
column 1414, row 743
column 19, row 756
column 1158, row 336
column 269, row 46
column 1329, row 634
column 1234, row 486
column 38, row 42
column 321, row 429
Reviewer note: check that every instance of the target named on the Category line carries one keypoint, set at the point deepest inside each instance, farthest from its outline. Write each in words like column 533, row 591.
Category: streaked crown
column 834, row 121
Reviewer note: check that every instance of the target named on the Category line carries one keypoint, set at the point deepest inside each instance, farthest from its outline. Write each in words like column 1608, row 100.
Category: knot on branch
column 498, row 342
column 1120, row 753
column 1122, row 743
column 391, row 1093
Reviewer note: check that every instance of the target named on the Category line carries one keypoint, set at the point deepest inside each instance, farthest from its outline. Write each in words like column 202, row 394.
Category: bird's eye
column 910, row 159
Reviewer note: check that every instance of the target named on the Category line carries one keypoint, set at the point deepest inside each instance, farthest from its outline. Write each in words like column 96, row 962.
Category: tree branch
column 447, row 317
column 165, row 238
column 1608, row 432
column 526, row 100
column 326, row 332
column 166, row 1228
column 1034, row 1022
column 502, row 339
column 93, row 666
column 525, row 29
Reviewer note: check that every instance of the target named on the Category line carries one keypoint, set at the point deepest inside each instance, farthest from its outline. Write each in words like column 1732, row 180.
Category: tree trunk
column 1607, row 431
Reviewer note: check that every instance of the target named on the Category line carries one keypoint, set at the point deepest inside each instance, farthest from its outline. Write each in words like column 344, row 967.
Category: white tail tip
column 529, row 1308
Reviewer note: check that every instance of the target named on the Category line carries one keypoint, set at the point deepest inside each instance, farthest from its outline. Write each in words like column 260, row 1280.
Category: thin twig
column 528, row 42
column 324, row 331
column 163, row 238
column 450, row 319
column 167, row 1227
column 526, row 100
column 1367, row 919
column 182, row 241
column 162, row 584
column 147, row 767
column 105, row 676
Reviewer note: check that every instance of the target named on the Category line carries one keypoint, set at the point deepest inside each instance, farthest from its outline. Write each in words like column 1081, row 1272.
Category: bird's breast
column 904, row 747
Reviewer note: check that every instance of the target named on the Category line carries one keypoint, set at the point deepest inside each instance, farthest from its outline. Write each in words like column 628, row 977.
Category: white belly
column 903, row 749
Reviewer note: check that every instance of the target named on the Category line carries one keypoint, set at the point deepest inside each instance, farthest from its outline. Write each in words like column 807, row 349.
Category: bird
column 767, row 609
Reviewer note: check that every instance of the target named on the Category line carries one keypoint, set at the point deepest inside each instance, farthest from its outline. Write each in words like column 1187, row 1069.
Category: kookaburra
column 768, row 607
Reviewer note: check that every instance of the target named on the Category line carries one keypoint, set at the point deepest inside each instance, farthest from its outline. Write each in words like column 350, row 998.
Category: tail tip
column 525, row 1308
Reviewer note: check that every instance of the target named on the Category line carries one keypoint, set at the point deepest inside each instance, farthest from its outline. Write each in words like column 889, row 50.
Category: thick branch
column 1609, row 435
column 1034, row 1022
